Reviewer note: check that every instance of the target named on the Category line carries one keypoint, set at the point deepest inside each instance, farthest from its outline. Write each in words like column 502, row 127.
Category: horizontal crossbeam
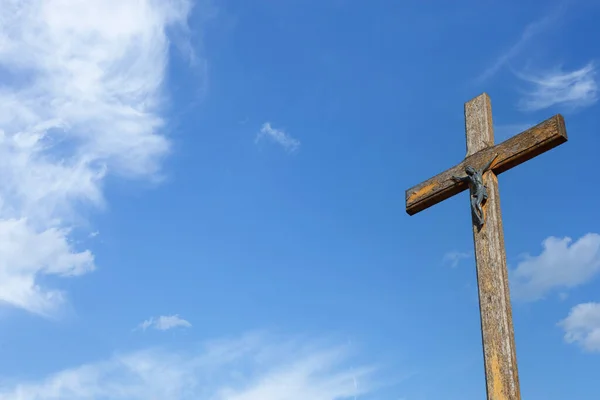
column 512, row 152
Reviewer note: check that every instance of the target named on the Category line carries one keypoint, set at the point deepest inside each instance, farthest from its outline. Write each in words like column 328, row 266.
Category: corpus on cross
column 483, row 163
column 478, row 189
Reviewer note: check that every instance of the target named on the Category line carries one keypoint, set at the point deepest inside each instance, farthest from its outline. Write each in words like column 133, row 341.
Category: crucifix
column 478, row 172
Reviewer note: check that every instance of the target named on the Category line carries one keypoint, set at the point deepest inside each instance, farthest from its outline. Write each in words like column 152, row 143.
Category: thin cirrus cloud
column 531, row 31
column 165, row 322
column 573, row 89
column 278, row 136
column 582, row 326
column 563, row 264
column 506, row 131
column 80, row 98
column 453, row 258
column 254, row 367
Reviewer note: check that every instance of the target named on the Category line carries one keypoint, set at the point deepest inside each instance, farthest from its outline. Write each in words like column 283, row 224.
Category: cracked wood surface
column 512, row 152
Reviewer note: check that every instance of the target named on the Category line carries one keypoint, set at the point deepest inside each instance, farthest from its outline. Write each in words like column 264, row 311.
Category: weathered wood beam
column 512, row 152
column 497, row 331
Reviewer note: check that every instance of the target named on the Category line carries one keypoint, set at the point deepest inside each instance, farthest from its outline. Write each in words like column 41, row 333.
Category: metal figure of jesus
column 479, row 193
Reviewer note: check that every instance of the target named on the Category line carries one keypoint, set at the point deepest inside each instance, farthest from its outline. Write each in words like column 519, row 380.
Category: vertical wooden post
column 502, row 380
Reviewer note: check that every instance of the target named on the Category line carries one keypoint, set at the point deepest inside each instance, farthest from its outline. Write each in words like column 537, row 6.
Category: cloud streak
column 254, row 367
column 531, row 31
column 573, row 89
column 454, row 258
column 278, row 136
column 506, row 131
column 165, row 322
column 80, row 98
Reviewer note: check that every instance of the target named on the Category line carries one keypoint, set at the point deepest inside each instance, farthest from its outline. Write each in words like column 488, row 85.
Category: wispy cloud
column 251, row 368
column 164, row 323
column 80, row 98
column 278, row 136
column 582, row 326
column 506, row 131
column 530, row 32
column 574, row 89
column 453, row 258
column 563, row 264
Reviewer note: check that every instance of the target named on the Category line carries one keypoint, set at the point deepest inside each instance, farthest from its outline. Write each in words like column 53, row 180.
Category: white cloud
column 574, row 89
column 563, row 264
column 80, row 98
column 278, row 136
column 25, row 252
column 252, row 368
column 582, row 326
column 165, row 322
column 455, row 257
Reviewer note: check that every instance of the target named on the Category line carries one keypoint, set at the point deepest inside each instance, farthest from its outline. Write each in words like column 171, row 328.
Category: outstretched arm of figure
column 488, row 165
column 460, row 178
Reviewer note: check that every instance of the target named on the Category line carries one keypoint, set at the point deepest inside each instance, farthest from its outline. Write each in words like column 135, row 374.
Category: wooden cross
column 500, row 360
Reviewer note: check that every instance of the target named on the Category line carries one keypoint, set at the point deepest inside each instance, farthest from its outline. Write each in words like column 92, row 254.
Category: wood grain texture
column 514, row 151
column 501, row 373
column 479, row 111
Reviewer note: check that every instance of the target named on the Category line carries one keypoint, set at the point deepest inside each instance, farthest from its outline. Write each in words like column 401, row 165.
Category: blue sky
column 206, row 200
